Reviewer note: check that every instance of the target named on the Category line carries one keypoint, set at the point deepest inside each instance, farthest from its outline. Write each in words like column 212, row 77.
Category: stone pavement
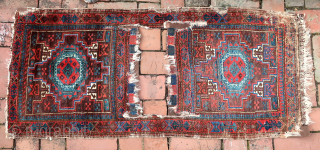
column 153, row 79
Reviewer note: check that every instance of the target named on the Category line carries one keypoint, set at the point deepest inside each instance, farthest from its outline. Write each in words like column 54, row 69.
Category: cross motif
column 47, row 106
column 88, row 106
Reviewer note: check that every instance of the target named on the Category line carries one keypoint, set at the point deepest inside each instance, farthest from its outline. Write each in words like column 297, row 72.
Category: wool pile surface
column 236, row 73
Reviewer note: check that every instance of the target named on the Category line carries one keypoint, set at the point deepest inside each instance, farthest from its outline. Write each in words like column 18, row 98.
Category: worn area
column 197, row 3
column 5, row 34
column 233, row 3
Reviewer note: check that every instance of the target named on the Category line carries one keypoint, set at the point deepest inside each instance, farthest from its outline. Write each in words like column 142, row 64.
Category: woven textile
column 65, row 73
column 238, row 74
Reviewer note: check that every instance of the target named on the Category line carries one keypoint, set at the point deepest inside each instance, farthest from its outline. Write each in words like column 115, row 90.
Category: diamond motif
column 120, row 71
column 234, row 69
column 68, row 70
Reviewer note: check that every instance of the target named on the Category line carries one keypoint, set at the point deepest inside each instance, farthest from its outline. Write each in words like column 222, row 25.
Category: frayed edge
column 138, row 108
column 133, row 76
column 90, row 1
column 171, row 62
column 191, row 24
column 306, row 67
column 187, row 114
column 171, row 65
column 296, row 132
column 6, row 110
column 9, row 61
column 220, row 10
column 144, row 116
column 291, row 134
column 225, row 135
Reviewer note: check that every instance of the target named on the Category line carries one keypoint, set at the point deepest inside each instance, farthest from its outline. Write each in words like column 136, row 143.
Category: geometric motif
column 240, row 77
column 69, row 75
column 234, row 71
column 67, row 72
column 231, row 69
column 73, row 73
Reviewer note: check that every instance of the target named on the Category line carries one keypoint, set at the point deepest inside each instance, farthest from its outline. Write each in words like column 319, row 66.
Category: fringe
column 306, row 67
column 306, row 76
column 225, row 135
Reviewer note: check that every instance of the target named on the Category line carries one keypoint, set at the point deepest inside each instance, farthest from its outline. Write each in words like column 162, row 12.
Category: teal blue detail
column 63, row 88
column 234, row 69
column 106, row 104
column 68, row 70
column 235, row 89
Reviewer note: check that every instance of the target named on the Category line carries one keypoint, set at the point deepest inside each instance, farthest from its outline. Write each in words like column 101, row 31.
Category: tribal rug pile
column 235, row 73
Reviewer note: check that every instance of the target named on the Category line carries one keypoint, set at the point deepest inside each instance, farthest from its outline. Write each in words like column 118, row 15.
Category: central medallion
column 69, row 71
column 234, row 69
column 237, row 72
column 72, row 74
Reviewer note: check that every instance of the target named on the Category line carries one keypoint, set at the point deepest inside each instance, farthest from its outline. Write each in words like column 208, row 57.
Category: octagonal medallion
column 68, row 71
